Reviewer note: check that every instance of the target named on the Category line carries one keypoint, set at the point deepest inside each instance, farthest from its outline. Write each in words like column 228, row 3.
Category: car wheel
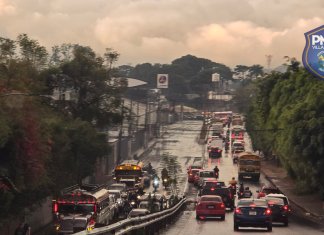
column 223, row 217
column 197, row 217
column 270, row 228
column 236, row 227
column 286, row 223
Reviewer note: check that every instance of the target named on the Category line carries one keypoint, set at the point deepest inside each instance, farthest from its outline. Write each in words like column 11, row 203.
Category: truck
column 249, row 165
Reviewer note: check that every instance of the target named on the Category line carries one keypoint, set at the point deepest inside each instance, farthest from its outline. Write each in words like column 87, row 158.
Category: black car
column 210, row 184
column 224, row 192
column 252, row 213
column 280, row 211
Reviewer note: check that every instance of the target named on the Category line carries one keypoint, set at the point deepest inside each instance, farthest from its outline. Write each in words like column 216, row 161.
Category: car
column 192, row 174
column 212, row 184
column 156, row 206
column 236, row 152
column 283, row 197
column 224, row 192
column 266, row 190
column 156, row 197
column 205, row 174
column 280, row 211
column 120, row 198
column 252, row 213
column 118, row 186
column 138, row 212
column 210, row 206
column 197, row 166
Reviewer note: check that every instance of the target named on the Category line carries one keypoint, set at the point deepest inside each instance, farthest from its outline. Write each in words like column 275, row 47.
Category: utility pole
column 120, row 135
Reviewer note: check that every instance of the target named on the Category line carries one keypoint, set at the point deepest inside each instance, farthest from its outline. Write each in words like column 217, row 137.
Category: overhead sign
column 313, row 55
column 215, row 77
column 162, row 81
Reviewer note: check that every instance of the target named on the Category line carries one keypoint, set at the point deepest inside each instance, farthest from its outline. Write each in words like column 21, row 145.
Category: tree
column 256, row 70
column 241, row 70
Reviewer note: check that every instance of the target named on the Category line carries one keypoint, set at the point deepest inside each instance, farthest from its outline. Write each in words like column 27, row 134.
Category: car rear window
column 250, row 162
column 211, row 199
column 196, row 167
column 275, row 200
column 252, row 202
column 206, row 174
column 270, row 190
column 214, row 184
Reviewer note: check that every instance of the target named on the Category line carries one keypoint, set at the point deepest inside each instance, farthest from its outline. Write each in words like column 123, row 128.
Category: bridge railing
column 149, row 224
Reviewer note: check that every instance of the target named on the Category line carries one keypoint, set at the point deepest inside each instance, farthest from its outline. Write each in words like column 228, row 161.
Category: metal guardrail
column 128, row 225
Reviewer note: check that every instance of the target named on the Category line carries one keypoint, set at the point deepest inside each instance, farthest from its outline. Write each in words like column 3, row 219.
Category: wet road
column 176, row 151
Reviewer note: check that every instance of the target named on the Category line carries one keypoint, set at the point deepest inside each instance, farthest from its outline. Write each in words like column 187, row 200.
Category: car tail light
column 267, row 211
column 92, row 221
column 238, row 211
column 285, row 207
column 212, row 189
column 55, row 207
column 222, row 205
column 190, row 174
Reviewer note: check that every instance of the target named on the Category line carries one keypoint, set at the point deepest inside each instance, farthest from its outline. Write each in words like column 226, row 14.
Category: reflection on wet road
column 176, row 151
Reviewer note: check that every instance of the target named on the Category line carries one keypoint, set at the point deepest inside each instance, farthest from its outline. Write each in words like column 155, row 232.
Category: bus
column 130, row 172
column 81, row 207
column 249, row 165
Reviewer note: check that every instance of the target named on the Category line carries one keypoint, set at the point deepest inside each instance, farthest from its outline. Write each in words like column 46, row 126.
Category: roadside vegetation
column 285, row 117
column 46, row 143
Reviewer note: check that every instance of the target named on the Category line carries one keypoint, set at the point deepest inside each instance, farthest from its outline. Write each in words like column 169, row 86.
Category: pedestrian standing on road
column 26, row 229
column 20, row 229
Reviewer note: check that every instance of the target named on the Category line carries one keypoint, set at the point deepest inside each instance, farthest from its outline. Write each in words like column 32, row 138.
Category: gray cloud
column 226, row 31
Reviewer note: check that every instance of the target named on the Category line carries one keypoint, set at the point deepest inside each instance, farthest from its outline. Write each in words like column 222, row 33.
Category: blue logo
column 313, row 55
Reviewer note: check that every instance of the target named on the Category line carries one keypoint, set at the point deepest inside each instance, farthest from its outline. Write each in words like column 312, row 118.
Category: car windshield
column 211, row 199
column 76, row 208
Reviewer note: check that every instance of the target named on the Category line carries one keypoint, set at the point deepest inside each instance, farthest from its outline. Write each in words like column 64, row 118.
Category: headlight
column 132, row 202
column 57, row 227
column 165, row 180
column 138, row 196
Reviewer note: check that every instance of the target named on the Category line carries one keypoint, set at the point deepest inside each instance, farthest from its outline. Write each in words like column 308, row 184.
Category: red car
column 192, row 174
column 210, row 206
column 265, row 190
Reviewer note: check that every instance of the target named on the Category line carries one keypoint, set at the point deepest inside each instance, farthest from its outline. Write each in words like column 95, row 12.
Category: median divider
column 148, row 224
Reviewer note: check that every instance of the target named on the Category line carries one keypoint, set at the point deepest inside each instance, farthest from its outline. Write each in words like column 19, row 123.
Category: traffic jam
column 139, row 190
column 217, row 198
column 134, row 193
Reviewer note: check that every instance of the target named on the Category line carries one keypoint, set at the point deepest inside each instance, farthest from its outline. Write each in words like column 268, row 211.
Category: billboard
column 162, row 81
column 215, row 77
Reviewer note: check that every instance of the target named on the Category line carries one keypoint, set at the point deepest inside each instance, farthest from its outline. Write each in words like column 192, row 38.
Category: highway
column 176, row 151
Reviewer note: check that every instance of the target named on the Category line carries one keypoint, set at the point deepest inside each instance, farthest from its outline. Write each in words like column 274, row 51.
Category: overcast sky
column 158, row 31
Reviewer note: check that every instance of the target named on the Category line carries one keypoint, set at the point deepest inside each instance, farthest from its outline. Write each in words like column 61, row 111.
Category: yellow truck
column 249, row 165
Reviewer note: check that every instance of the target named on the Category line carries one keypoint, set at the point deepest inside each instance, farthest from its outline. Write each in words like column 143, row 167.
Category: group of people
column 242, row 191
